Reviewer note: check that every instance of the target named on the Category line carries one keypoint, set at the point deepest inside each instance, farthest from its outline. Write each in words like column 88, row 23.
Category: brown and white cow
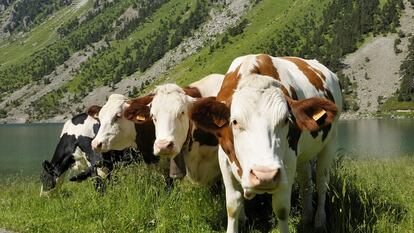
column 166, row 110
column 272, row 116
column 176, row 134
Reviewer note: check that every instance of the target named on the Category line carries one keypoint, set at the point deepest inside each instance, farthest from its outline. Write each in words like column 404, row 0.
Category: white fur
column 209, row 85
column 169, row 110
column 115, row 132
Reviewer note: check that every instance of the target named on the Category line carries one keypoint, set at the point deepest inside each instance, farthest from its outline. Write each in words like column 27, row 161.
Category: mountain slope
column 128, row 46
column 375, row 66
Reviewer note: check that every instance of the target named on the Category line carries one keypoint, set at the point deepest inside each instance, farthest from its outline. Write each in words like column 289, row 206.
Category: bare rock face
column 375, row 66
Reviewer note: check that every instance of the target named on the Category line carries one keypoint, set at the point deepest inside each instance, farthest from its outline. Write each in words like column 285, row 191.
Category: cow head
column 169, row 112
column 51, row 176
column 48, row 179
column 253, row 129
column 115, row 132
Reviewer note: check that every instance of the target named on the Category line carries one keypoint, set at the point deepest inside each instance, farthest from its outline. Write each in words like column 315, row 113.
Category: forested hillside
column 100, row 47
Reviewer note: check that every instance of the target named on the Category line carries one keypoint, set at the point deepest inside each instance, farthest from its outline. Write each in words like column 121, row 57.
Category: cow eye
column 234, row 122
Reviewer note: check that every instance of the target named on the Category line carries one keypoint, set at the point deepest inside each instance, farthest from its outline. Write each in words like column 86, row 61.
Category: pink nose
column 164, row 146
column 264, row 177
column 97, row 146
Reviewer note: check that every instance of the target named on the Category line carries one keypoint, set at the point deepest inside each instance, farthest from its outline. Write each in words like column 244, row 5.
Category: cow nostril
column 99, row 145
column 170, row 145
column 264, row 176
column 253, row 177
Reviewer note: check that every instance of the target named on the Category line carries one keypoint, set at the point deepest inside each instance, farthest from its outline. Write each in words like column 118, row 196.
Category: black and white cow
column 74, row 152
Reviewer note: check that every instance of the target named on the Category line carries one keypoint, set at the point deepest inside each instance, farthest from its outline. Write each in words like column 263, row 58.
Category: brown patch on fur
column 285, row 91
column 93, row 111
column 145, row 140
column 303, row 110
column 138, row 110
column 226, row 141
column 225, row 133
column 228, row 86
column 205, row 112
column 311, row 73
column 192, row 91
column 266, row 67
column 293, row 95
column 320, row 73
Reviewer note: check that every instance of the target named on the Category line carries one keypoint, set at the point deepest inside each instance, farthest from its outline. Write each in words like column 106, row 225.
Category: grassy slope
column 265, row 19
column 366, row 196
column 40, row 36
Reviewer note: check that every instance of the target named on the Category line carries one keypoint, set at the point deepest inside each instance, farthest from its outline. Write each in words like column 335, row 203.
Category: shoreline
column 344, row 116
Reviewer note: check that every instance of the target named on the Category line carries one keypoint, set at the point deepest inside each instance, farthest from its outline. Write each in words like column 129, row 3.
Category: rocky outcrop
column 375, row 66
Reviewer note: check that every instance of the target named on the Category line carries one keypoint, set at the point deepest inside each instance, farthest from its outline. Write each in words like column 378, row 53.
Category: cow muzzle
column 164, row 148
column 97, row 146
column 264, row 178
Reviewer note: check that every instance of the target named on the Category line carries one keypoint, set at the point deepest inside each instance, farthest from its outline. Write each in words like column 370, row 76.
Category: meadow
column 364, row 196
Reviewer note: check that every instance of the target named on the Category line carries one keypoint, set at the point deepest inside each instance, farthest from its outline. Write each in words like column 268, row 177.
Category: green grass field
column 364, row 196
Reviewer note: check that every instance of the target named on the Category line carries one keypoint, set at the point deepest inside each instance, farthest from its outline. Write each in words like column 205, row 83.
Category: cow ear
column 93, row 111
column 312, row 114
column 47, row 165
column 192, row 91
column 138, row 110
column 209, row 114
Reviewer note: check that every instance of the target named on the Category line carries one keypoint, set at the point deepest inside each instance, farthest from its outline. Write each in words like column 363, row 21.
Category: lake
column 23, row 147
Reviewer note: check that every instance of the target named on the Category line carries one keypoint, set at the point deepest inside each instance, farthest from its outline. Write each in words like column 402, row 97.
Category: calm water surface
column 24, row 147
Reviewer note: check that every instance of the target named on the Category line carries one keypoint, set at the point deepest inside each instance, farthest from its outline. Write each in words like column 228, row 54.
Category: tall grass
column 364, row 196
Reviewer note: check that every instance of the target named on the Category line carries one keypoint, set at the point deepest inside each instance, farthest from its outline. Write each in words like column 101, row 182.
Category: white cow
column 167, row 107
column 272, row 116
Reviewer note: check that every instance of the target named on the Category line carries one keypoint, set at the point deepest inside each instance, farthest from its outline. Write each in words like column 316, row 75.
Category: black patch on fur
column 293, row 137
column 96, row 128
column 204, row 138
column 79, row 119
column 325, row 131
column 84, row 144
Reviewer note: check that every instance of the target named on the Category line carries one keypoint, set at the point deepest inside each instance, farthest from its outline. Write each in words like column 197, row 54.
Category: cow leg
column 323, row 165
column 281, row 199
column 234, row 196
column 281, row 208
column 305, row 184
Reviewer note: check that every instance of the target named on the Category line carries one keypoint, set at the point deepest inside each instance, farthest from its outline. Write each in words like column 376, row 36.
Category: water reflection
column 376, row 138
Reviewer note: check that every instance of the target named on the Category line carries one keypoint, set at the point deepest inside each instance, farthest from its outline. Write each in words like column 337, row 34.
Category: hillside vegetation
column 123, row 39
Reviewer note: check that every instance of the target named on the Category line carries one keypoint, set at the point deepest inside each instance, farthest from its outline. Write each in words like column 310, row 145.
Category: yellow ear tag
column 319, row 114
column 140, row 118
